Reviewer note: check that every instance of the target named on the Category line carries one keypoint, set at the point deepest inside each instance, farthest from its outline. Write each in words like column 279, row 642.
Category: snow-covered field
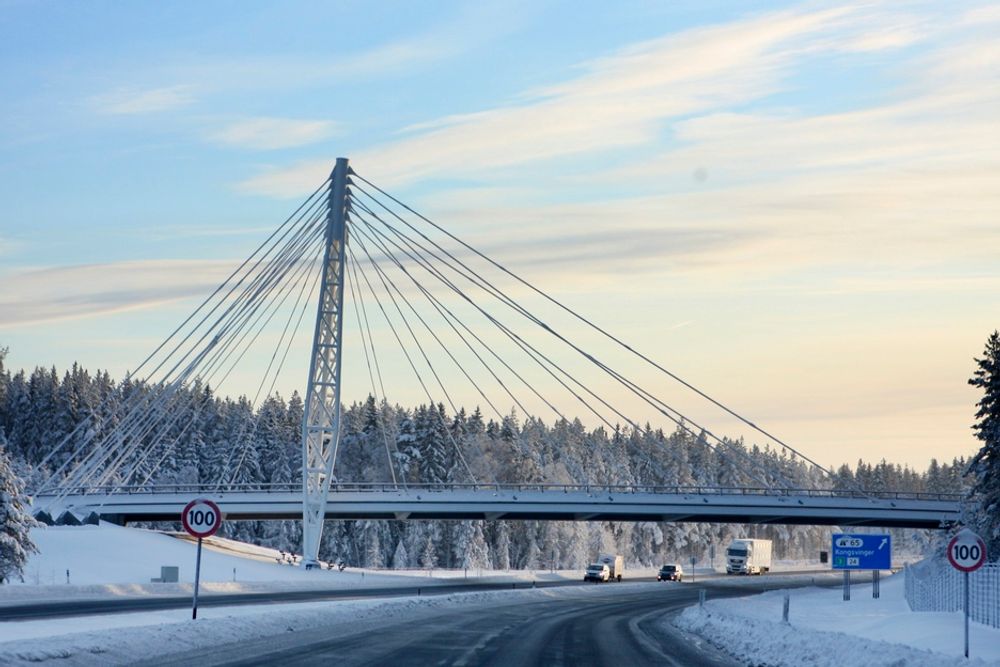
column 111, row 561
column 824, row 630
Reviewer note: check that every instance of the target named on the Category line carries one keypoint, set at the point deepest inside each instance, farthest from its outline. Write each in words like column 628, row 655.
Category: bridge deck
column 554, row 503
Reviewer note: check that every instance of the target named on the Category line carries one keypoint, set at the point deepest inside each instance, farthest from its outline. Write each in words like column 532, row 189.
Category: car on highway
column 598, row 573
column 670, row 572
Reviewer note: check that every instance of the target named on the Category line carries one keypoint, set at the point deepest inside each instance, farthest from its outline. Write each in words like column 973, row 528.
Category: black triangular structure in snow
column 67, row 518
column 44, row 517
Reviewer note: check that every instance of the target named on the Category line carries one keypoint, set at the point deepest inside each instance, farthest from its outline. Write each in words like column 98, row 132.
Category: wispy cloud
column 271, row 133
column 287, row 182
column 70, row 292
column 143, row 101
column 624, row 100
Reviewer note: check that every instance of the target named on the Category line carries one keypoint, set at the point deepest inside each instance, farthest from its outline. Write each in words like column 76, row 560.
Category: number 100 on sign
column 967, row 551
column 201, row 518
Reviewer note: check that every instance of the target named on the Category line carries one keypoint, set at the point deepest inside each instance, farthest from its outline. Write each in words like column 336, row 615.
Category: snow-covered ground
column 824, row 630
column 110, row 561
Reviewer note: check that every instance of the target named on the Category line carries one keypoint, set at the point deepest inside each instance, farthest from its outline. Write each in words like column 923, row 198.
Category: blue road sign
column 861, row 552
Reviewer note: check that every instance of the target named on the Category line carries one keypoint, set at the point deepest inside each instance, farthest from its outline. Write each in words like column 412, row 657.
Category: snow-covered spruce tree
column 985, row 465
column 15, row 522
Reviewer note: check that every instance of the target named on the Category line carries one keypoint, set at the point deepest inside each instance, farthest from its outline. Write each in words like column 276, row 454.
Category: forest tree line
column 229, row 440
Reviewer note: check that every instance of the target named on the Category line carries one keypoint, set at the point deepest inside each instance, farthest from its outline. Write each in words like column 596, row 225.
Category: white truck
column 607, row 568
column 748, row 557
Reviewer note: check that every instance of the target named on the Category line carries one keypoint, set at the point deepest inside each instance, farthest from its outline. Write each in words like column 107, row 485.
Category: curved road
column 619, row 626
column 30, row 611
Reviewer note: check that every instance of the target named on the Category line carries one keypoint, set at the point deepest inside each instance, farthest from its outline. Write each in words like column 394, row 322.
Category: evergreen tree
column 477, row 554
column 15, row 522
column 428, row 558
column 400, row 558
column 985, row 465
column 502, row 549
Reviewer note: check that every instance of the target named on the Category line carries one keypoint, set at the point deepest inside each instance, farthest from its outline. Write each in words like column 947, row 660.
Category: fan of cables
column 435, row 319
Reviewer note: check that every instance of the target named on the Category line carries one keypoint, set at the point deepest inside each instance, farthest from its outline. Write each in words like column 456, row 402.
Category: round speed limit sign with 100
column 966, row 551
column 201, row 518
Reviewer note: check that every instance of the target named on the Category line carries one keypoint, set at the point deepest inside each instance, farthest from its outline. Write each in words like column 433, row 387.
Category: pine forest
column 225, row 440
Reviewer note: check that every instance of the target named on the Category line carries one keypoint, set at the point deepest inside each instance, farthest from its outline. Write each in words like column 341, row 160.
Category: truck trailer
column 748, row 557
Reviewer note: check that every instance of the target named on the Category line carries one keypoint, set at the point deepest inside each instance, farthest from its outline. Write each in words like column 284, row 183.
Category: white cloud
column 271, row 133
column 288, row 182
column 154, row 100
column 69, row 292
column 620, row 101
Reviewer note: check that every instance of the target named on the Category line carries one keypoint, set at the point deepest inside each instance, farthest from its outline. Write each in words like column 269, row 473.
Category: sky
column 792, row 205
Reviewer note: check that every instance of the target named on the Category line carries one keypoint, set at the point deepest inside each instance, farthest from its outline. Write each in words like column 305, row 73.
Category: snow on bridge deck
column 538, row 502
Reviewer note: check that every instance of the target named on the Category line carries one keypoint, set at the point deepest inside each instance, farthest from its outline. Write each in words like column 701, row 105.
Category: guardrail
column 934, row 585
column 553, row 488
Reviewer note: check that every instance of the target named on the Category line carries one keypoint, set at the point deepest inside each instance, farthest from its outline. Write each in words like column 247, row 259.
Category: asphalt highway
column 621, row 625
column 66, row 608
column 34, row 611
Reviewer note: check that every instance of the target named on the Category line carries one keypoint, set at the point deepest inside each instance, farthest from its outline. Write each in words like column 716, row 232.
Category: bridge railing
column 360, row 487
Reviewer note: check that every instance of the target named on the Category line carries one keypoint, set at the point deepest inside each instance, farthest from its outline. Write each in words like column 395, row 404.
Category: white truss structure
column 321, row 421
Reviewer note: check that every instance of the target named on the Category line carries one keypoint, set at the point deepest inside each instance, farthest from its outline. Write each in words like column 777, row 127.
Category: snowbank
column 826, row 631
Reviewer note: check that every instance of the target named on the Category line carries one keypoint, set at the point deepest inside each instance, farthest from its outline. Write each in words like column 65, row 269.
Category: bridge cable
column 218, row 351
column 451, row 317
column 385, row 315
column 151, row 420
column 130, row 415
column 365, row 343
column 597, row 328
column 314, row 260
column 137, row 397
column 534, row 354
column 679, row 421
column 430, row 330
column 437, row 339
column 423, row 354
column 302, row 272
column 379, row 239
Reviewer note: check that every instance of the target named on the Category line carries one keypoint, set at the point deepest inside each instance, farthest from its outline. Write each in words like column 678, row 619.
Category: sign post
column 201, row 518
column 966, row 553
column 861, row 552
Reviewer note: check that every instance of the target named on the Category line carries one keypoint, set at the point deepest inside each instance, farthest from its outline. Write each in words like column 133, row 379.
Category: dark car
column 670, row 573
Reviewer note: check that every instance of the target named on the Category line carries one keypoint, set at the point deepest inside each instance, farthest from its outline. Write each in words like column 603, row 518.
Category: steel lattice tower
column 321, row 420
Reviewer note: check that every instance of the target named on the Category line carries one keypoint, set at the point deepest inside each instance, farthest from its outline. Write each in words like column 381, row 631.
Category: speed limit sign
column 967, row 551
column 201, row 518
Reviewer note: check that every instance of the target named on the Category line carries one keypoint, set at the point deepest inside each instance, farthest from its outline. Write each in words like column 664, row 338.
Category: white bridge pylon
column 321, row 420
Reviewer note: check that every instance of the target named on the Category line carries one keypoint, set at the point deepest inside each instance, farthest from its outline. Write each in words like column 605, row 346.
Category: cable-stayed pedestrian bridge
column 557, row 502
column 436, row 318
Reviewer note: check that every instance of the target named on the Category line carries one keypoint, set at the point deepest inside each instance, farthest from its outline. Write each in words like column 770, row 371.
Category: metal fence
column 934, row 585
